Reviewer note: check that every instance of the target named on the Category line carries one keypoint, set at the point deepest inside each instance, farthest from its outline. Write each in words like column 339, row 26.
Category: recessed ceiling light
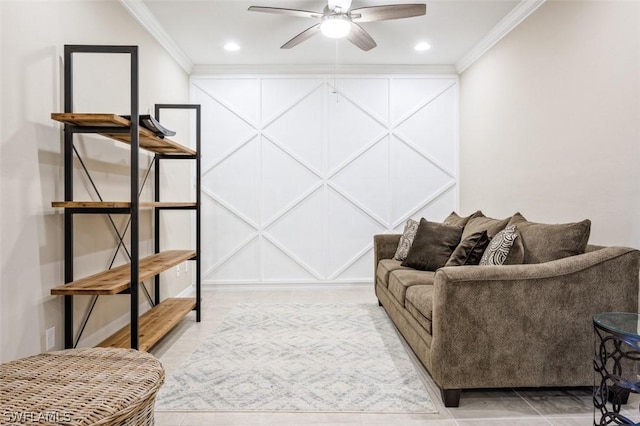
column 232, row 47
column 422, row 46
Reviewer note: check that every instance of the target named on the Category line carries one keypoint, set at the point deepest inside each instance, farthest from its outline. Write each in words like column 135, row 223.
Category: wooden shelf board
column 119, row 204
column 118, row 279
column 152, row 143
column 148, row 140
column 100, row 120
column 153, row 324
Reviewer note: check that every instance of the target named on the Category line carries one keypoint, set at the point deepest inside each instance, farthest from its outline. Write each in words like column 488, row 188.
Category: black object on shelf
column 149, row 122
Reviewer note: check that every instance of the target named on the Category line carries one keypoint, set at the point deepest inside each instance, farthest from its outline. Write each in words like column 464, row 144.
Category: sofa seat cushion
column 401, row 279
column 385, row 267
column 419, row 303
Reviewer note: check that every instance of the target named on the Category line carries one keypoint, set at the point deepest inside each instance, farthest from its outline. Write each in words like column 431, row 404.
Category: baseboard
column 189, row 291
column 284, row 286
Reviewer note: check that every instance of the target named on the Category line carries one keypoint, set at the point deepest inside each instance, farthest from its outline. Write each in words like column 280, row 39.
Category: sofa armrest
column 527, row 325
column 385, row 246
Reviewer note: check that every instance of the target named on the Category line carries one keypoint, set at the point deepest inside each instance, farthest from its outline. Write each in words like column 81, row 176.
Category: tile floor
column 508, row 407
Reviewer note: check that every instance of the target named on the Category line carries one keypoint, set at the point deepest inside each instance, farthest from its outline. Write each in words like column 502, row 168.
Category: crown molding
column 144, row 16
column 504, row 27
column 321, row 69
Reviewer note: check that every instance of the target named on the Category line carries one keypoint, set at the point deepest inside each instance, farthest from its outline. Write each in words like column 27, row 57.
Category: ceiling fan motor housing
column 343, row 5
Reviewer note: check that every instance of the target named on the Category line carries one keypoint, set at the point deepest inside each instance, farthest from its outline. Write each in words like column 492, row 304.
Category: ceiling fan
column 337, row 21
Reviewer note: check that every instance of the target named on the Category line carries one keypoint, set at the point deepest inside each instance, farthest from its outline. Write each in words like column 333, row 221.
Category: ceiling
column 198, row 29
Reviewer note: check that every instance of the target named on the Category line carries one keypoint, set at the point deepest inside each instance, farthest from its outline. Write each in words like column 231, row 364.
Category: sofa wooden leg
column 451, row 397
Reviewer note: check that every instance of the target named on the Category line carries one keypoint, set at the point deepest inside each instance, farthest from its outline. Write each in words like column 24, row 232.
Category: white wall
column 297, row 179
column 550, row 121
column 33, row 35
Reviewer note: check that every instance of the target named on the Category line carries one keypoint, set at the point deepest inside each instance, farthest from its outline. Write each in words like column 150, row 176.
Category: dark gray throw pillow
column 432, row 246
column 470, row 250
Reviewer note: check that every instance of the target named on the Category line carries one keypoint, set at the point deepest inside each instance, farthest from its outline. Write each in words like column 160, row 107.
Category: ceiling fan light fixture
column 335, row 26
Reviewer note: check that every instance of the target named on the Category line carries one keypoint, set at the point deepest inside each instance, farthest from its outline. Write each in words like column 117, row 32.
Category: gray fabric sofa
column 522, row 325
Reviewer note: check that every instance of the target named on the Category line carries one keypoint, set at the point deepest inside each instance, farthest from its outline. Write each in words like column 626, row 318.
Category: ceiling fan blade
column 383, row 13
column 305, row 35
column 290, row 12
column 361, row 38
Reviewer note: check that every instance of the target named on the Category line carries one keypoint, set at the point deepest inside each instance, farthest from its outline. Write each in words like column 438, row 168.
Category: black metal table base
column 616, row 362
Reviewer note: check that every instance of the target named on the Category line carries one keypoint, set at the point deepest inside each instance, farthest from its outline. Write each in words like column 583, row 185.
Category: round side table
column 80, row 387
column 617, row 365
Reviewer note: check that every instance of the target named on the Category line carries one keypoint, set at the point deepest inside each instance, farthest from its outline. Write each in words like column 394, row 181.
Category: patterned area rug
column 299, row 358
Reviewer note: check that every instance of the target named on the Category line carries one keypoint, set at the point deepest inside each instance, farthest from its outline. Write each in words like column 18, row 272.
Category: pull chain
column 335, row 70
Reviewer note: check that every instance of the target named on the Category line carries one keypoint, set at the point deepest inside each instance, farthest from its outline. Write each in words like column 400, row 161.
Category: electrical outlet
column 178, row 271
column 51, row 338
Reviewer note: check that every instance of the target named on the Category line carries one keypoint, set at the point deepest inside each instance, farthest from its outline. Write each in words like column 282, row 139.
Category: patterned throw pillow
column 406, row 239
column 498, row 249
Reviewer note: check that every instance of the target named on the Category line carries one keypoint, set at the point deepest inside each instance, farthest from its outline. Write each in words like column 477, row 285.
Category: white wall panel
column 301, row 171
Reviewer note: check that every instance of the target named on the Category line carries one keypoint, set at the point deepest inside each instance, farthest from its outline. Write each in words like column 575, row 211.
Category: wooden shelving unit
column 145, row 330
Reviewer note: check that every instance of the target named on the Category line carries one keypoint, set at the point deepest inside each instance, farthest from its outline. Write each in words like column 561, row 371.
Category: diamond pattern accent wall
column 299, row 172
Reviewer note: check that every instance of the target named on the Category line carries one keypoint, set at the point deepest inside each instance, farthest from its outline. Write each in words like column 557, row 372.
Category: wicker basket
column 93, row 386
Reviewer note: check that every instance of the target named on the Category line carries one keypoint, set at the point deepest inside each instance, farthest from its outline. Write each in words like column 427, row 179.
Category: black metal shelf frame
column 157, row 210
column 133, row 223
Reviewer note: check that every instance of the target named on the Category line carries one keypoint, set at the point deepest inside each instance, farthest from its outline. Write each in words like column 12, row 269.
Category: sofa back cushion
column 455, row 219
column 516, row 253
column 479, row 222
column 546, row 242
column 432, row 245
